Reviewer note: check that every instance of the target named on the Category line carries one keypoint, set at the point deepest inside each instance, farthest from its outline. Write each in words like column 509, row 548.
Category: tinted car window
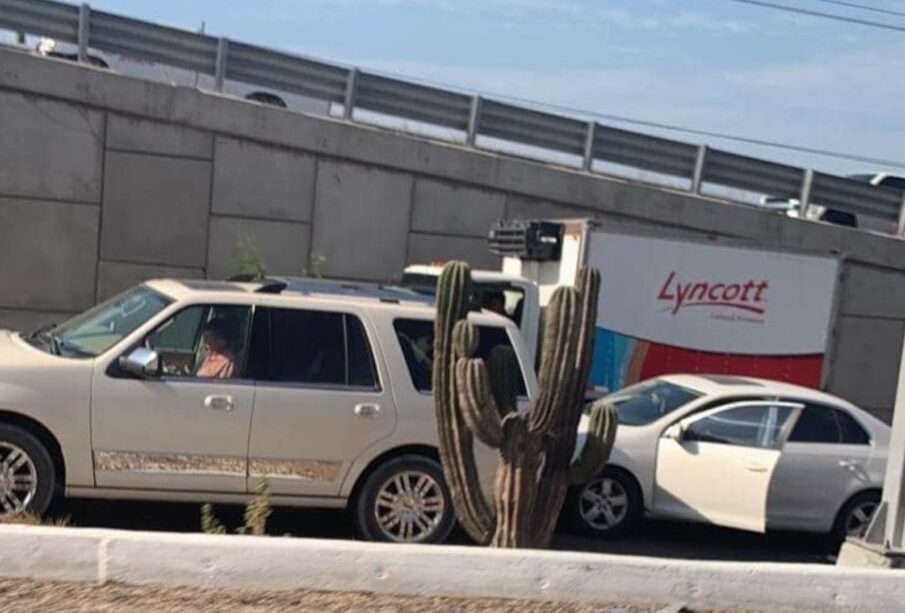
column 744, row 426
column 416, row 339
column 361, row 362
column 312, row 347
column 816, row 424
column 853, row 433
column 823, row 424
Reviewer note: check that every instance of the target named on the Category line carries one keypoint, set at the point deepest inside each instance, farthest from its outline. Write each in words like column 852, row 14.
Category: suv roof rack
column 373, row 291
column 271, row 287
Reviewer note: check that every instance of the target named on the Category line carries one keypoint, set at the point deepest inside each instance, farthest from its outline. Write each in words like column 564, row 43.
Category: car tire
column 609, row 506
column 854, row 517
column 404, row 500
column 28, row 480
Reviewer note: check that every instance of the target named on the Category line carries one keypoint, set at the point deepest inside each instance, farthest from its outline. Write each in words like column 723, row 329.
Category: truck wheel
column 405, row 500
column 607, row 507
column 27, row 477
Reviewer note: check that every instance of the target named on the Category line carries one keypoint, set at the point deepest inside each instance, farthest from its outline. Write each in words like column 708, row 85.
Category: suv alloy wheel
column 405, row 500
column 27, row 479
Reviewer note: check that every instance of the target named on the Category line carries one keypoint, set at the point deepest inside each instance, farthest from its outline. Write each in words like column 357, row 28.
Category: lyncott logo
column 748, row 296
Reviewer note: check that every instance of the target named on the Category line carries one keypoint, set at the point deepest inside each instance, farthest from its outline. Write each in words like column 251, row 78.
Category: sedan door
column 716, row 467
column 321, row 400
column 825, row 461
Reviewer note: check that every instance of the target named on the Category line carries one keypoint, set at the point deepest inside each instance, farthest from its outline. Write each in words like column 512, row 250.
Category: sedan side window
column 823, row 424
column 744, row 426
column 816, row 424
column 853, row 433
column 203, row 341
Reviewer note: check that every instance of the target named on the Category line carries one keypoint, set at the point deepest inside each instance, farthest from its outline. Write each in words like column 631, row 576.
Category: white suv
column 197, row 390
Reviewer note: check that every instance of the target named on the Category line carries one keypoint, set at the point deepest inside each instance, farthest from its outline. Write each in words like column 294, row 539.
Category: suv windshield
column 648, row 401
column 96, row 330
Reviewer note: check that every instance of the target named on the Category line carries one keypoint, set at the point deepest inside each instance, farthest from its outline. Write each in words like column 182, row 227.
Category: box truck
column 669, row 302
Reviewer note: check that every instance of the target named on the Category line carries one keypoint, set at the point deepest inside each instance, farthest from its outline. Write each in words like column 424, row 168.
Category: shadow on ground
column 656, row 539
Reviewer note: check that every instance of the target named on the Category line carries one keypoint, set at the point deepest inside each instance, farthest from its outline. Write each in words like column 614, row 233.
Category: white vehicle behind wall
column 146, row 69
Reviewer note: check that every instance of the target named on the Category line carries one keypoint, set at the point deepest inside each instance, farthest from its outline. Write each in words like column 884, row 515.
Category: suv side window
column 312, row 347
column 203, row 341
column 743, row 426
column 416, row 339
column 823, row 424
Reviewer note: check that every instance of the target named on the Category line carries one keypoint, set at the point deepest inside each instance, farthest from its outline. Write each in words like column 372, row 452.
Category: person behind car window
column 219, row 361
column 496, row 302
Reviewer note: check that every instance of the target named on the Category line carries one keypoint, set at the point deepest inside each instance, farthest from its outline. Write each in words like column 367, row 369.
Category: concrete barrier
column 273, row 564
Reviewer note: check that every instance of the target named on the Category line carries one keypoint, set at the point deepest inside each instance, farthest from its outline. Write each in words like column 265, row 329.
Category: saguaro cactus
column 474, row 398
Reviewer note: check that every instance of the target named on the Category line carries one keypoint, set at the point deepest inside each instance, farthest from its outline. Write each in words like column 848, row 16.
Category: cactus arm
column 598, row 445
column 455, row 439
column 476, row 401
column 559, row 445
column 557, row 371
column 505, row 377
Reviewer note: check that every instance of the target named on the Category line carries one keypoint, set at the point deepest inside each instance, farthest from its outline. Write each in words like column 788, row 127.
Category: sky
column 714, row 65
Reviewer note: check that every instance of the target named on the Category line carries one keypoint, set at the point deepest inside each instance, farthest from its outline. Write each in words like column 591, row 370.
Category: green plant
column 257, row 511
column 209, row 522
column 474, row 398
column 30, row 519
column 315, row 267
column 247, row 260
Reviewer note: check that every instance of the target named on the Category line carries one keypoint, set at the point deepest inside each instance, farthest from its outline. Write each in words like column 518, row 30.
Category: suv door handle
column 219, row 403
column 367, row 409
column 757, row 469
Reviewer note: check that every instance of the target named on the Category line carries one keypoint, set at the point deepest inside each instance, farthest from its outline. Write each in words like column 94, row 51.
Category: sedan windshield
column 98, row 329
column 648, row 401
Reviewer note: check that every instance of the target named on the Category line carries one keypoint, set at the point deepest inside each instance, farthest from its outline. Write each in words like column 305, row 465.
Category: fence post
column 589, row 146
column 220, row 66
column 351, row 87
column 474, row 120
column 698, row 177
column 805, row 201
column 84, row 29
column 901, row 227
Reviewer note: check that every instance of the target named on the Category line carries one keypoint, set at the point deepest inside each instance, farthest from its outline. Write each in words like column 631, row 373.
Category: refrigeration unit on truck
column 671, row 303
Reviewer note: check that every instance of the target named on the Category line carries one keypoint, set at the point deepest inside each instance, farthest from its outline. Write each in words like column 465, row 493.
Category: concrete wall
column 106, row 180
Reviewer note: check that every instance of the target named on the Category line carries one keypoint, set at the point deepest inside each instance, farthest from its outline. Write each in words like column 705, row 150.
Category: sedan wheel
column 608, row 506
column 603, row 504
column 858, row 519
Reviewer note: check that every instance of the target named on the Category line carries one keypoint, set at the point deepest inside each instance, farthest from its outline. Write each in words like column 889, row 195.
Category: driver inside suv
column 219, row 361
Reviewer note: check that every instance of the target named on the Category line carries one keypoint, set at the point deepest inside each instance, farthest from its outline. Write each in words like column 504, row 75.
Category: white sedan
column 737, row 452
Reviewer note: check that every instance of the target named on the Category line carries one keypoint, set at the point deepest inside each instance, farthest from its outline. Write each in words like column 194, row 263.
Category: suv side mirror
column 141, row 362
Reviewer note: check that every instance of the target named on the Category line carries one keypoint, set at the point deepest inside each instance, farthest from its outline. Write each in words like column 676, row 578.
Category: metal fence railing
column 474, row 116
